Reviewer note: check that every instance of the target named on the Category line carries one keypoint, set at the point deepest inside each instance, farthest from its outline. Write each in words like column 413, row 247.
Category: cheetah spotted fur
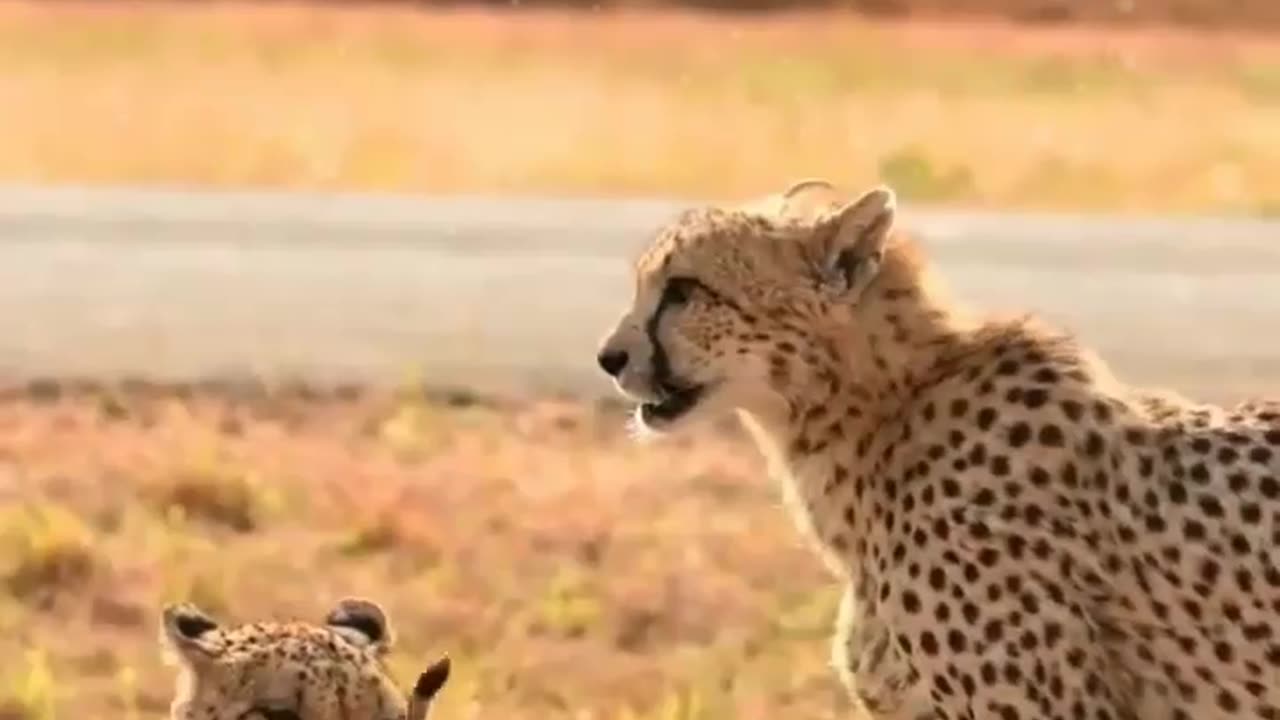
column 1018, row 533
column 291, row 670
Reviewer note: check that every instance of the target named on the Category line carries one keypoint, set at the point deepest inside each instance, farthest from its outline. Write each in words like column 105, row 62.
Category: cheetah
column 291, row 670
column 1017, row 533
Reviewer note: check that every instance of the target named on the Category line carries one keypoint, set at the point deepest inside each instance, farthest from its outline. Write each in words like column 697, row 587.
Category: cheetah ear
column 803, row 200
column 362, row 622
column 854, row 238
column 808, row 199
column 185, row 633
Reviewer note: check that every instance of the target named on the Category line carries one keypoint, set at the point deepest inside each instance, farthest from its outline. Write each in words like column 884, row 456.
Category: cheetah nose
column 612, row 361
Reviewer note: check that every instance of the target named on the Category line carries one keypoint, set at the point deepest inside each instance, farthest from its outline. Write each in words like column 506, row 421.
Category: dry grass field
column 654, row 102
column 569, row 571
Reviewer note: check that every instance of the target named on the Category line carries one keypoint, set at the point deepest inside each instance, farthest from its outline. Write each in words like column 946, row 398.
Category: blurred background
column 301, row 301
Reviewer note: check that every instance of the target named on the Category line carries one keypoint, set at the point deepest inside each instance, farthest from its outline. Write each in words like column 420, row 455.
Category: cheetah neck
column 843, row 398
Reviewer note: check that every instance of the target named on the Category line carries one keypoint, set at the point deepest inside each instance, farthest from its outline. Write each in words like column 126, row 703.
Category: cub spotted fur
column 292, row 670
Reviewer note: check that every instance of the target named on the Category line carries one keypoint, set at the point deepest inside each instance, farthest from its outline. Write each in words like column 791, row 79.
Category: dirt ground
column 570, row 571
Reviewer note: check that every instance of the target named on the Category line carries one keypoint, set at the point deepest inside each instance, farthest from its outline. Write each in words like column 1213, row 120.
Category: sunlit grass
column 569, row 572
column 44, row 550
column 28, row 690
column 653, row 103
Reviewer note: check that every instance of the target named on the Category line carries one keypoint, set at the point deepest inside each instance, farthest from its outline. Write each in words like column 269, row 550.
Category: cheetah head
column 720, row 293
column 291, row 670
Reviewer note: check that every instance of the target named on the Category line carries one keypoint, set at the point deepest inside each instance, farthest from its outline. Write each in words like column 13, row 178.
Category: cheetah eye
column 678, row 290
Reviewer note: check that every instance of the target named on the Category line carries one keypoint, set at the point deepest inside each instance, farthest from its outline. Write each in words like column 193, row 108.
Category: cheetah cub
column 1018, row 533
column 292, row 670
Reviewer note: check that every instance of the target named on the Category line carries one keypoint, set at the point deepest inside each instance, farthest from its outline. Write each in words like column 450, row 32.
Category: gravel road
column 497, row 293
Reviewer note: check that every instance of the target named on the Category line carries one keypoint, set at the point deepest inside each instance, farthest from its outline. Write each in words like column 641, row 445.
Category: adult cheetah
column 291, row 670
column 1019, row 534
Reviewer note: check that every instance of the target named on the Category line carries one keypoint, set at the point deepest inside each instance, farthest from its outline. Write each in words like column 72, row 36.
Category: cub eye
column 679, row 290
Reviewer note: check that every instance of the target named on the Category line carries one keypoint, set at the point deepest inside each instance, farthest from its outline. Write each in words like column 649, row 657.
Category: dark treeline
column 1207, row 14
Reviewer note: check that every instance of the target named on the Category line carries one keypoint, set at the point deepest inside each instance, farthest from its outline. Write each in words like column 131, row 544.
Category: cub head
column 728, row 303
column 291, row 670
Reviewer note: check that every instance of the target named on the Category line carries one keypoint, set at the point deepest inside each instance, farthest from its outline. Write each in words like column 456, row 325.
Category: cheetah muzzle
column 676, row 402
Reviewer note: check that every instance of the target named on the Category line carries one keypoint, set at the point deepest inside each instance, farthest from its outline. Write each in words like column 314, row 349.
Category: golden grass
column 669, row 103
column 570, row 572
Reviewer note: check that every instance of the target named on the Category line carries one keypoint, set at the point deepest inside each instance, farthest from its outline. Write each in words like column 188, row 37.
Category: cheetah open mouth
column 674, row 403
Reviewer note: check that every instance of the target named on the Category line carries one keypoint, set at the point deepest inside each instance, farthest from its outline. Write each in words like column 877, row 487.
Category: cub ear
column 185, row 633
column 361, row 621
column 424, row 691
column 808, row 199
column 853, row 239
